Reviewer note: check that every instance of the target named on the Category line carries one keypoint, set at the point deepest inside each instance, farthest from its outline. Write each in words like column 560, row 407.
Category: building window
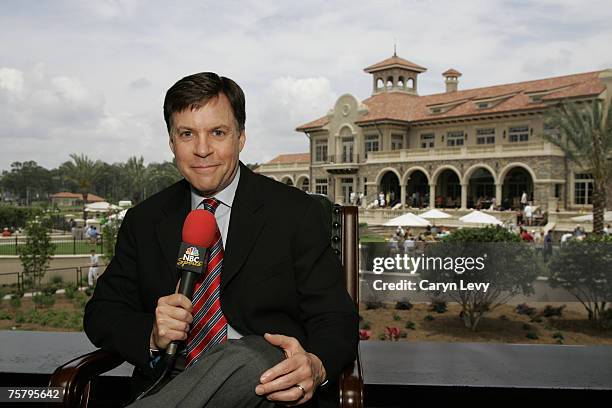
column 321, row 186
column 397, row 142
column 427, row 140
column 583, row 188
column 483, row 105
column 306, row 185
column 321, row 150
column 518, row 133
column 365, row 186
column 455, row 138
column 371, row 144
column 485, row 136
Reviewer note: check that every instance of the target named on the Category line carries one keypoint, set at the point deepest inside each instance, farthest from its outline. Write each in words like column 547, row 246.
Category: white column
column 403, row 193
column 464, row 191
column 432, row 196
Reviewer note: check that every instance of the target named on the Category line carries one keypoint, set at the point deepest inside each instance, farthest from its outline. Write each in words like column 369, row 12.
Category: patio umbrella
column 102, row 206
column 478, row 217
column 435, row 214
column 407, row 220
column 589, row 217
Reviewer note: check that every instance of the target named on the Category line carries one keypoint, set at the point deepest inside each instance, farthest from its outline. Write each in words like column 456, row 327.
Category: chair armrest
column 75, row 376
column 351, row 385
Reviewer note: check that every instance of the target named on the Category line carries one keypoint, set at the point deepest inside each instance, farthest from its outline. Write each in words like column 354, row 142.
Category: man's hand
column 279, row 383
column 172, row 320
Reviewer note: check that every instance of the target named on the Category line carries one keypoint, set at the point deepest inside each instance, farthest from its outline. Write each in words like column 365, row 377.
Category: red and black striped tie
column 209, row 326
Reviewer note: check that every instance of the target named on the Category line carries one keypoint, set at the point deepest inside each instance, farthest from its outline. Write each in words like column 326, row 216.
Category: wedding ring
column 301, row 388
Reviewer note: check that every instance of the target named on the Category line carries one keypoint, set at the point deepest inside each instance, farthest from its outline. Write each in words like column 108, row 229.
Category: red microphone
column 198, row 234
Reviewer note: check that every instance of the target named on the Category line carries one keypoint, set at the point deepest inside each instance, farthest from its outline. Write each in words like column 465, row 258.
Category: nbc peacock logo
column 193, row 251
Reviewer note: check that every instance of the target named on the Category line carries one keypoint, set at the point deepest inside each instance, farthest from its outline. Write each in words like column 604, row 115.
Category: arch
column 411, row 170
column 468, row 173
column 417, row 187
column 303, row 178
column 439, row 170
column 510, row 166
column 448, row 190
column 380, row 84
column 401, row 82
column 480, row 181
column 381, row 173
column 410, row 83
column 288, row 180
column 346, row 130
column 272, row 177
column 516, row 179
column 390, row 186
column 390, row 83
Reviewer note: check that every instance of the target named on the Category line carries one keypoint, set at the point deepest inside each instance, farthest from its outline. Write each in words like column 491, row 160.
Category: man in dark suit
column 277, row 271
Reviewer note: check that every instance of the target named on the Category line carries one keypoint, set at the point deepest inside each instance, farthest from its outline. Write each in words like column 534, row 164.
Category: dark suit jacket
column 279, row 274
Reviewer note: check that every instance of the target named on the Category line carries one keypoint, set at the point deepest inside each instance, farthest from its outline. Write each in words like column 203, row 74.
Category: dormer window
column 483, row 105
column 436, row 110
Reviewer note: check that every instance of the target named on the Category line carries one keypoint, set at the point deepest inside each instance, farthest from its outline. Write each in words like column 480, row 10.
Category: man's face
column 206, row 144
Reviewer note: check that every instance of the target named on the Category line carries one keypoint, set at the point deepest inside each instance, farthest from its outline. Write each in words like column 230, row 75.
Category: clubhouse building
column 457, row 149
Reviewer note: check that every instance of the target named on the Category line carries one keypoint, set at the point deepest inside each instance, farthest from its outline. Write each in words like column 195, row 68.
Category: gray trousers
column 224, row 376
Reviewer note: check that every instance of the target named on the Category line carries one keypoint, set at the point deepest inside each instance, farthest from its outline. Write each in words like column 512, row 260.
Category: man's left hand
column 279, row 383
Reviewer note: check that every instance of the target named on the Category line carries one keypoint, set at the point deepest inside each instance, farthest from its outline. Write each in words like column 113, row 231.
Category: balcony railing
column 344, row 158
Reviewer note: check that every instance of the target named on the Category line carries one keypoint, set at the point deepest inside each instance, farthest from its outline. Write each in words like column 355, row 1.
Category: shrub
column 15, row 302
column 382, row 336
column 37, row 251
column 403, row 334
column 429, row 318
column 366, row 326
column 550, row 311
column 438, row 306
column 396, row 317
column 532, row 335
column 43, row 300
column 410, row 325
column 5, row 315
column 524, row 309
column 527, row 326
column 558, row 335
column 57, row 280
column 403, row 305
column 70, row 292
column 373, row 305
column 584, row 268
column 507, row 264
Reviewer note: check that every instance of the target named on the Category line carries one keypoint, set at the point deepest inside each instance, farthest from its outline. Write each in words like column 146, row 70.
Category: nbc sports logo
column 192, row 251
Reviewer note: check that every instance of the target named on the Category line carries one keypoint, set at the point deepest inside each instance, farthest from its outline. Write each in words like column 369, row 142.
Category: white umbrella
column 102, row 206
column 407, row 220
column 478, row 217
column 589, row 217
column 435, row 214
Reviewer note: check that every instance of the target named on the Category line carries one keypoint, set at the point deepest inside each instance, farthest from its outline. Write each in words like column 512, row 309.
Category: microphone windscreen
column 199, row 228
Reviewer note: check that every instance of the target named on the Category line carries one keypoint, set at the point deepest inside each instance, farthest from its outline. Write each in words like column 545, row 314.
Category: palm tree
column 83, row 171
column 134, row 170
column 583, row 130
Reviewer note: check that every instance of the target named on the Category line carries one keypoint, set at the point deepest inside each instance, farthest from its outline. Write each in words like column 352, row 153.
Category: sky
column 90, row 77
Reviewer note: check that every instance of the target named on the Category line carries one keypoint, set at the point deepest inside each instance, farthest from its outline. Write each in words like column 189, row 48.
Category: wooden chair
column 77, row 376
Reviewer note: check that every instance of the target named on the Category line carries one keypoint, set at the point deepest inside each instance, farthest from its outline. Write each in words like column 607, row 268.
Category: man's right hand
column 172, row 320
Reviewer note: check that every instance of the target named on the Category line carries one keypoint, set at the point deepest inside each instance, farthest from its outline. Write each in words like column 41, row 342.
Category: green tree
column 160, row 176
column 27, row 182
column 583, row 130
column 84, row 172
column 509, row 267
column 37, row 251
column 134, row 171
column 584, row 268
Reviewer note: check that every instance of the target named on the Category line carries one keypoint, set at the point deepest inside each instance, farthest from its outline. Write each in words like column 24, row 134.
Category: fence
column 19, row 278
column 66, row 245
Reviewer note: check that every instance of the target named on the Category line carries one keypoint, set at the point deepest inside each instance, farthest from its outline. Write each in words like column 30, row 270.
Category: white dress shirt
column 222, row 215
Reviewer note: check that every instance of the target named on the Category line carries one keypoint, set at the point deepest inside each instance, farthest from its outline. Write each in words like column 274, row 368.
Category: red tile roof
column 91, row 198
column 291, row 158
column 451, row 72
column 413, row 108
column 392, row 62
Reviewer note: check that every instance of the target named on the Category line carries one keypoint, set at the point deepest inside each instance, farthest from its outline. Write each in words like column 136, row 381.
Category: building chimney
column 451, row 80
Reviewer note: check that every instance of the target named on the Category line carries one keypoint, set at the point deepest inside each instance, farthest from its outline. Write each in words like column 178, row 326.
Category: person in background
column 6, row 232
column 548, row 245
column 92, row 276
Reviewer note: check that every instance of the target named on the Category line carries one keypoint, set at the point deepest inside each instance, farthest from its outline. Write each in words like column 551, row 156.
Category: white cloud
column 92, row 75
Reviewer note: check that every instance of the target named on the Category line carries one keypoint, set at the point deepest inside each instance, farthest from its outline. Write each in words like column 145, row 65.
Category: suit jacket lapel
column 169, row 229
column 245, row 225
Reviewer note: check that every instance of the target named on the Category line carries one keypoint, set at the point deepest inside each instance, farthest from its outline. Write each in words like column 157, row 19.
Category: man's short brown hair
column 194, row 91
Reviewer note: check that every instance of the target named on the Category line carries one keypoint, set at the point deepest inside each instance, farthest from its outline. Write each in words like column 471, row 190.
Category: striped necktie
column 209, row 326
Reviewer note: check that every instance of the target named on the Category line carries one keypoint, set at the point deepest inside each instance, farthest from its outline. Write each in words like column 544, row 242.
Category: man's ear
column 171, row 143
column 241, row 140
